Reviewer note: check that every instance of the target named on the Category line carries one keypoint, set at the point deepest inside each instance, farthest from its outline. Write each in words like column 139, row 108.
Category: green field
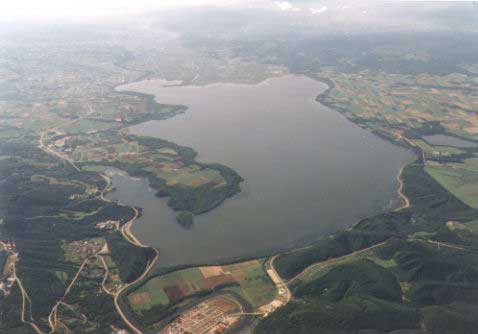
column 248, row 279
column 86, row 125
column 438, row 150
column 472, row 226
column 257, row 287
column 192, row 176
column 461, row 179
column 321, row 269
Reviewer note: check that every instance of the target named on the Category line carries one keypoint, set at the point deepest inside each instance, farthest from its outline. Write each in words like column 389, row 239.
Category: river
column 308, row 171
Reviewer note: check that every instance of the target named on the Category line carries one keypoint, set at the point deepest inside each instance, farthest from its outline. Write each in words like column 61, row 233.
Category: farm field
column 247, row 279
column 461, row 179
column 171, row 169
column 409, row 102
column 87, row 126
column 438, row 151
column 161, row 160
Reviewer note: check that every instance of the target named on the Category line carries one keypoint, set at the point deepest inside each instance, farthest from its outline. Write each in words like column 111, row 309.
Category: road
column 448, row 245
column 126, row 286
column 278, row 281
column 46, row 149
column 105, row 278
column 25, row 296
column 53, row 311
column 53, row 153
column 327, row 262
column 125, row 230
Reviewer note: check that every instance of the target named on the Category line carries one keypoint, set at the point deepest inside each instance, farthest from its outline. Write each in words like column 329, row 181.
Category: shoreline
column 406, row 143
column 126, row 228
column 320, row 99
column 404, row 198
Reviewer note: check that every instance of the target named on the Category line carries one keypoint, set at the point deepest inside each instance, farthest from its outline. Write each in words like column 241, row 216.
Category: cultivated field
column 438, row 151
column 461, row 179
column 248, row 279
column 407, row 101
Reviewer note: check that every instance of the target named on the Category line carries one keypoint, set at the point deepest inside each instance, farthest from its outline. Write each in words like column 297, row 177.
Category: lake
column 308, row 171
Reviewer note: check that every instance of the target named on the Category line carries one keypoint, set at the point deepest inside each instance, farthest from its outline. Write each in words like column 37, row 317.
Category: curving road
column 25, row 296
column 278, row 281
column 125, row 230
column 327, row 262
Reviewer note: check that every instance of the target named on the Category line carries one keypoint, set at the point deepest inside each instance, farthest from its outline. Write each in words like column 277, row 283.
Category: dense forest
column 46, row 204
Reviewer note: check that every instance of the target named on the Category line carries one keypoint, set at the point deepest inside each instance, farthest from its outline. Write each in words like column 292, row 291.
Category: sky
column 11, row 10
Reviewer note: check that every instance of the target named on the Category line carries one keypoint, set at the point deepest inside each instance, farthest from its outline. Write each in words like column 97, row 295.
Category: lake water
column 308, row 171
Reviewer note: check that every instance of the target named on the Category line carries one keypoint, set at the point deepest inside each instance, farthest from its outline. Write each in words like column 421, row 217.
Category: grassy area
column 460, row 179
column 248, row 279
column 33, row 124
column 256, row 287
column 438, row 150
column 191, row 177
column 94, row 168
column 472, row 226
column 86, row 125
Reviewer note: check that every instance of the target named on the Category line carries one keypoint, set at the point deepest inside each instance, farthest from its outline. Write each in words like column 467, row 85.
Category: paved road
column 327, row 262
column 278, row 281
column 125, row 230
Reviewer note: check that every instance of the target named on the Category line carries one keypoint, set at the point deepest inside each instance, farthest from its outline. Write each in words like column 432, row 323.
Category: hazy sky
column 335, row 11
column 41, row 9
